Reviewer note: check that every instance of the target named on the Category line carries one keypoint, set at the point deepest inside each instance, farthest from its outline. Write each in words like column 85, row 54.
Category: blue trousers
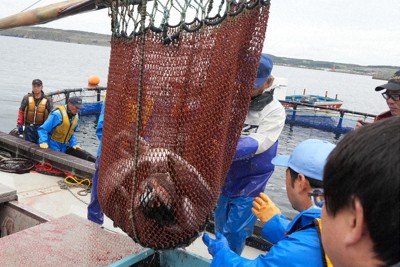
column 31, row 133
column 235, row 220
column 95, row 213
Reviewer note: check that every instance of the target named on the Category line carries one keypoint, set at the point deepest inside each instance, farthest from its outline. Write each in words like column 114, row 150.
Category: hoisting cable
column 31, row 5
column 139, row 98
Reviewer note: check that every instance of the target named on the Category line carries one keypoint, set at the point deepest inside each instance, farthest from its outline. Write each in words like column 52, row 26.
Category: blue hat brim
column 281, row 160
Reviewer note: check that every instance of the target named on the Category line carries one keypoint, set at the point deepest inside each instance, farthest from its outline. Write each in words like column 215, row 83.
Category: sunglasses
column 317, row 197
column 394, row 97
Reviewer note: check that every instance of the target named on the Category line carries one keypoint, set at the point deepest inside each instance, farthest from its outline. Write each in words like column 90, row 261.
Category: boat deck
column 65, row 241
column 43, row 194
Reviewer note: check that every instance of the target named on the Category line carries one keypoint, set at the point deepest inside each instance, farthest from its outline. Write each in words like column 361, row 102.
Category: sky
column 363, row 32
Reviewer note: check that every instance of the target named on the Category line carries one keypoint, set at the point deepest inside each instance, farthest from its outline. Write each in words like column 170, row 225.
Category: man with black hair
column 392, row 97
column 360, row 218
column 33, row 112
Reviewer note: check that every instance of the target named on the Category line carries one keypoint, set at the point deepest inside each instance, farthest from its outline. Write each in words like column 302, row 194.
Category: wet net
column 178, row 93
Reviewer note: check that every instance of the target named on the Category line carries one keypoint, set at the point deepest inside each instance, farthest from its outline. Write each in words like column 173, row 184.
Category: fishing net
column 178, row 93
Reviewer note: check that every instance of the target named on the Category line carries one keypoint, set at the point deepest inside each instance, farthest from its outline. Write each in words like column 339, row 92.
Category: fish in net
column 179, row 84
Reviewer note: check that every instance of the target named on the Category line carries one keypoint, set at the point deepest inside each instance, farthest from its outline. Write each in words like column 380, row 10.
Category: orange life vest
column 36, row 114
column 63, row 132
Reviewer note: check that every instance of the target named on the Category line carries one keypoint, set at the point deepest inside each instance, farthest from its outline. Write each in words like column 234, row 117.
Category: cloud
column 357, row 31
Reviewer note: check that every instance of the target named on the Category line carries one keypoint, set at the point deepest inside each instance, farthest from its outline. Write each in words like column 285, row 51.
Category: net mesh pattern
column 173, row 117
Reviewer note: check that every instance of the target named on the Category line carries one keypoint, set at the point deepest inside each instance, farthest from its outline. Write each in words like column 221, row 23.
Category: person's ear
column 355, row 223
column 269, row 82
column 302, row 183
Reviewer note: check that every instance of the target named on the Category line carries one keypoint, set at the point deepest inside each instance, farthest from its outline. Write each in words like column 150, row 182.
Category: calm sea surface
column 63, row 65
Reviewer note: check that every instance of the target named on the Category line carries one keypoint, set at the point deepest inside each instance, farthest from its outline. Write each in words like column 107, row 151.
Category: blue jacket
column 248, row 176
column 99, row 129
column 301, row 247
column 46, row 129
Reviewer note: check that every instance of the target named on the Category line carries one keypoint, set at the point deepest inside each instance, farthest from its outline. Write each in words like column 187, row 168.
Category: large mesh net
column 177, row 97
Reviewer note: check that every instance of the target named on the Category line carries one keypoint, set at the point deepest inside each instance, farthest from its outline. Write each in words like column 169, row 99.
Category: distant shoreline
column 67, row 36
column 89, row 38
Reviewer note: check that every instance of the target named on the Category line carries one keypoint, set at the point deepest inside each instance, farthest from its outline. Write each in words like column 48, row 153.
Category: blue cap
column 264, row 70
column 76, row 101
column 308, row 158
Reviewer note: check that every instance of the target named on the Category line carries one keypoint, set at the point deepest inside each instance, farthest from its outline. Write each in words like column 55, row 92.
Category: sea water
column 65, row 65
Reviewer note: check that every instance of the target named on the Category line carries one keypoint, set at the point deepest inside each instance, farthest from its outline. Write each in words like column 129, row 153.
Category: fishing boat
column 315, row 101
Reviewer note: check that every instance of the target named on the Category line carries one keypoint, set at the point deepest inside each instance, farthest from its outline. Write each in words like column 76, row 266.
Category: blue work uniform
column 296, row 243
column 249, row 173
column 46, row 130
column 95, row 213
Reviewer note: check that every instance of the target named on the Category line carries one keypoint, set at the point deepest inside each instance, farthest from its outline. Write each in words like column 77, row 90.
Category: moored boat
column 314, row 100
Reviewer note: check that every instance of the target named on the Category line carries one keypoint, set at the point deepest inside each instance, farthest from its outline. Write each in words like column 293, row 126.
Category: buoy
column 93, row 80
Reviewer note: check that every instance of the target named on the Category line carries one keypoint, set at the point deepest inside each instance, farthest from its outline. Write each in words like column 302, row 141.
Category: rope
column 5, row 154
column 138, row 111
column 82, row 192
column 75, row 181
column 69, row 181
column 47, row 168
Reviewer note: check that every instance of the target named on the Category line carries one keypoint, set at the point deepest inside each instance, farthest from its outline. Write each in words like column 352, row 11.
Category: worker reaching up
column 251, row 167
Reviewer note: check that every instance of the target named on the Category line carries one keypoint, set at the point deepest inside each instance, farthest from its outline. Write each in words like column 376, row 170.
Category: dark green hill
column 89, row 38
column 67, row 36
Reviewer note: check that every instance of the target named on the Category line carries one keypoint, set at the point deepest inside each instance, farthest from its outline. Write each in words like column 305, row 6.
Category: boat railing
column 338, row 120
column 89, row 95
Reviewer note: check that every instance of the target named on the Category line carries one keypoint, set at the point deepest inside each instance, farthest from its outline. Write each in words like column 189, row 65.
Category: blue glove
column 20, row 129
column 216, row 245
